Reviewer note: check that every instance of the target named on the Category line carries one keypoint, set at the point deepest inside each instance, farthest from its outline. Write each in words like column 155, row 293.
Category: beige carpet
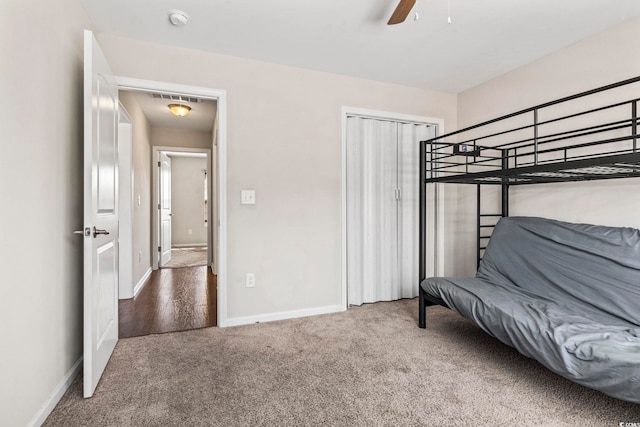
column 369, row 366
column 187, row 257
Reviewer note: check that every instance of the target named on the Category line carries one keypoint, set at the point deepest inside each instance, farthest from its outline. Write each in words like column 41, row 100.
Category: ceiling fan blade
column 401, row 12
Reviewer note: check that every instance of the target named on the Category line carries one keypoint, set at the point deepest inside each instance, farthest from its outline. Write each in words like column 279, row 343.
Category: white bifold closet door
column 382, row 209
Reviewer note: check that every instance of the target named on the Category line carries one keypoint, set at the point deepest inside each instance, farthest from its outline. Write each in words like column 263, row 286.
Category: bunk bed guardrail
column 520, row 151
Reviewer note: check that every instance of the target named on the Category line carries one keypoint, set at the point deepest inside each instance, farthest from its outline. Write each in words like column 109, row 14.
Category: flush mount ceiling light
column 178, row 18
column 179, row 110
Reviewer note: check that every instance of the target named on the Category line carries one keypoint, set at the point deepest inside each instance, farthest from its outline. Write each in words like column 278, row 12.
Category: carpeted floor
column 368, row 366
column 187, row 257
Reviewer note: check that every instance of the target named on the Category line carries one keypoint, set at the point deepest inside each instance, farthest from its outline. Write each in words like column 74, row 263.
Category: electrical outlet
column 189, row 231
column 250, row 280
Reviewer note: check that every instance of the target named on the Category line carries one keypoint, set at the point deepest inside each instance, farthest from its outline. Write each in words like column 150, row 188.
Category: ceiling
column 200, row 118
column 485, row 39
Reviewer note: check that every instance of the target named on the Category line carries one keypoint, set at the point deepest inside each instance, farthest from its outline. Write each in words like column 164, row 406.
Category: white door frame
column 127, row 83
column 438, row 209
column 159, row 188
column 125, row 203
column 155, row 198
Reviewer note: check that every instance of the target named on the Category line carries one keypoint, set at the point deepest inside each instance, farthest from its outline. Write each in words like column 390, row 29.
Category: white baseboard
column 57, row 394
column 270, row 317
column 189, row 245
column 143, row 280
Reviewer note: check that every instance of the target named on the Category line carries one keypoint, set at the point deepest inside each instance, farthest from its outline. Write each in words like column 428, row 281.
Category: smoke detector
column 178, row 18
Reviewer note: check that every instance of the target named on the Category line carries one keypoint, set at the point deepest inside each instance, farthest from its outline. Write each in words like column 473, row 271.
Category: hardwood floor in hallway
column 174, row 299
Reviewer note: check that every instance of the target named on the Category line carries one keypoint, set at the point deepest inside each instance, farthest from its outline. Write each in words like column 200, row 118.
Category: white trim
column 53, row 399
column 221, row 265
column 221, row 97
column 138, row 85
column 188, row 245
column 126, row 203
column 343, row 211
column 438, row 208
column 143, row 281
column 283, row 315
column 387, row 115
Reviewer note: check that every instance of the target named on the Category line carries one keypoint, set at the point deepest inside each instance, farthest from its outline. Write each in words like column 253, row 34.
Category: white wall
column 187, row 201
column 183, row 138
column 141, row 186
column 608, row 57
column 41, row 191
column 284, row 136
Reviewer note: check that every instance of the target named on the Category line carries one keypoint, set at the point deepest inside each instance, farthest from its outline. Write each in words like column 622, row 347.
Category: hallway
column 174, row 299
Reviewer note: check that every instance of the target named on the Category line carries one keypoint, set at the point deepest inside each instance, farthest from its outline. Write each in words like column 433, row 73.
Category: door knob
column 97, row 231
column 85, row 232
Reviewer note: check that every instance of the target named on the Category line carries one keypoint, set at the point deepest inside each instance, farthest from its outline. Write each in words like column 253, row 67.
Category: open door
column 165, row 208
column 100, row 213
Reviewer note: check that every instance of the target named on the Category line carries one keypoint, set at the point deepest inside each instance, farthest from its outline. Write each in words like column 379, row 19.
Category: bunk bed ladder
column 486, row 222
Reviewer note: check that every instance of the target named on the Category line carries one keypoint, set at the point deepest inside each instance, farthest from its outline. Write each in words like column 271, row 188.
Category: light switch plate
column 248, row 197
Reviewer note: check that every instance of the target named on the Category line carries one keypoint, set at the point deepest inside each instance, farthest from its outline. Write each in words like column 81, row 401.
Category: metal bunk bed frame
column 604, row 150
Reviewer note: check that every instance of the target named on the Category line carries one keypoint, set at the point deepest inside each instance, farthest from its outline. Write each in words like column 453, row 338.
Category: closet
column 382, row 208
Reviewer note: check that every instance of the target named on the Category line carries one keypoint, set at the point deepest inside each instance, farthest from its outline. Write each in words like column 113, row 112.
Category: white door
column 372, row 211
column 100, row 213
column 165, row 208
column 382, row 209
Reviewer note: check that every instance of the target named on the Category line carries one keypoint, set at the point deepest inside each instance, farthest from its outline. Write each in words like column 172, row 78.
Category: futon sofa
column 567, row 295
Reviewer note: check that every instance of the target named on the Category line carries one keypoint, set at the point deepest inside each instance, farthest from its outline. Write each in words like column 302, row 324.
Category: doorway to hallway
column 177, row 162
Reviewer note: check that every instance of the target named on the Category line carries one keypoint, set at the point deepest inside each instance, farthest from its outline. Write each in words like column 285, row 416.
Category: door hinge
column 158, row 205
column 158, row 164
column 398, row 193
column 159, row 249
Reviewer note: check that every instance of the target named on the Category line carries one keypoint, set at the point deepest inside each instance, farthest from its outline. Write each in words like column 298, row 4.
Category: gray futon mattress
column 567, row 295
